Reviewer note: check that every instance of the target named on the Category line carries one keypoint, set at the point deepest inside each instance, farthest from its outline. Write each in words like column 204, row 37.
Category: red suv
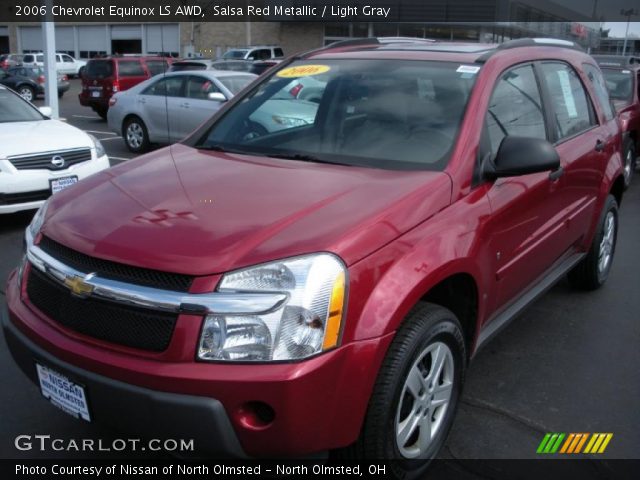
column 322, row 284
column 102, row 77
column 622, row 76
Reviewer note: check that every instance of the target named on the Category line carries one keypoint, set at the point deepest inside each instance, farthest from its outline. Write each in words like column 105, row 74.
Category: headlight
column 308, row 323
column 38, row 219
column 100, row 151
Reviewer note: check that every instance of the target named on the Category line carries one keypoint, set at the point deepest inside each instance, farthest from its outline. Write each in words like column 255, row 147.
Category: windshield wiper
column 304, row 158
column 219, row 148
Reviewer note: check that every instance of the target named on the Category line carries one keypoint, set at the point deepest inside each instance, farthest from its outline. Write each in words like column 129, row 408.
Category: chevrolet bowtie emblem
column 78, row 286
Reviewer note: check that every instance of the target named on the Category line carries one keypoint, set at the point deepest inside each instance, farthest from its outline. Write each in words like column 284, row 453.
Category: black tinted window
column 278, row 52
column 572, row 110
column 515, row 107
column 157, row 66
column 130, row 69
column 599, row 86
column 99, row 69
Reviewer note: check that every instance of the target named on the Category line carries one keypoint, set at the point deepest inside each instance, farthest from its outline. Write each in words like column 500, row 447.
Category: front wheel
column 593, row 270
column 416, row 394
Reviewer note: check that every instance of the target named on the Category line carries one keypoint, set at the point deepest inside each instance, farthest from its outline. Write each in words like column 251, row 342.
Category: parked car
column 166, row 109
column 192, row 64
column 263, row 52
column 10, row 60
column 621, row 75
column 65, row 64
column 40, row 156
column 324, row 286
column 103, row 77
column 17, row 76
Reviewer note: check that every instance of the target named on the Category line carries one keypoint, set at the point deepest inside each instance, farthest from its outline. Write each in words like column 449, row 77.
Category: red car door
column 130, row 72
column 525, row 228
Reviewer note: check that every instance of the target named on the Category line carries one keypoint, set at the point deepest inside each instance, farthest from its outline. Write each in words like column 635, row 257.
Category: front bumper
column 128, row 407
column 318, row 404
column 15, row 181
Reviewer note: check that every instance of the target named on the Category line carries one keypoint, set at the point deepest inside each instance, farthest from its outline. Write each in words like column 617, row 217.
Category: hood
column 188, row 211
column 51, row 134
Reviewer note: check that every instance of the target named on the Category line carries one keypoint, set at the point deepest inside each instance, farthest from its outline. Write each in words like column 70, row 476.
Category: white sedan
column 166, row 108
column 40, row 156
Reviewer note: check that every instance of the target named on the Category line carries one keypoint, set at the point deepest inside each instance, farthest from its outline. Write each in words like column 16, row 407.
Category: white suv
column 65, row 64
column 253, row 53
column 40, row 156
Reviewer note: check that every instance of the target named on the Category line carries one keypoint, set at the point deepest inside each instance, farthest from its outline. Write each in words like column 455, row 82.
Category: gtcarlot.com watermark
column 45, row 443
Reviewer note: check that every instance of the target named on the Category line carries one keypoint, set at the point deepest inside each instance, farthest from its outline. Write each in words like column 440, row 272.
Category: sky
column 618, row 28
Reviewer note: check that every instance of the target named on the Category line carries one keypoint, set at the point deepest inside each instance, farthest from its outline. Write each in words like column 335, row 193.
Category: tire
column 593, row 270
column 135, row 135
column 60, row 94
column 102, row 111
column 26, row 92
column 629, row 159
column 429, row 332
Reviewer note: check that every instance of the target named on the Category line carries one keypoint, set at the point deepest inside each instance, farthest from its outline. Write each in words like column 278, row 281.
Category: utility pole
column 50, row 73
column 627, row 13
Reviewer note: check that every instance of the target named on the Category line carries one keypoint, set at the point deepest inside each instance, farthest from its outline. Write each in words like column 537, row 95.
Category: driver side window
column 515, row 108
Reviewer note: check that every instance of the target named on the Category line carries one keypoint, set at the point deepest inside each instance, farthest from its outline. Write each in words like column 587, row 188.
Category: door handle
column 599, row 146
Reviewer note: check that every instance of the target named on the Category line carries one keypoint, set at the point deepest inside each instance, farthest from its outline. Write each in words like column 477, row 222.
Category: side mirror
column 251, row 58
column 46, row 111
column 522, row 156
column 217, row 97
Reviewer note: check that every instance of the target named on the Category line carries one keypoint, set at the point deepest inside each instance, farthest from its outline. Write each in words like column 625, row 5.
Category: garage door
column 163, row 38
column 64, row 39
column 30, row 39
column 126, row 32
column 4, row 31
column 92, row 38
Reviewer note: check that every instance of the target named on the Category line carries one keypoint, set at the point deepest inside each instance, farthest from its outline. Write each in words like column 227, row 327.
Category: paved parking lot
column 569, row 364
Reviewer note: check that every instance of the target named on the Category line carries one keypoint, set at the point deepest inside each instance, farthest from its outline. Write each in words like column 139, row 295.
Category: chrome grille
column 46, row 160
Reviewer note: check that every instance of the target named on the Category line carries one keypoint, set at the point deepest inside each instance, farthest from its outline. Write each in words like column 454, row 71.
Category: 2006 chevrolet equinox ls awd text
column 322, row 285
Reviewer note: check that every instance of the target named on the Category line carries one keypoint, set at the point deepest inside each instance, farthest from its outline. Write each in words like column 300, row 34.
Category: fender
column 449, row 243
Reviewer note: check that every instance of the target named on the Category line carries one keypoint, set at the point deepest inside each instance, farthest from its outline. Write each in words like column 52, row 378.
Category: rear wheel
column 593, row 270
column 27, row 93
column 60, row 94
column 102, row 111
column 629, row 161
column 135, row 135
column 416, row 394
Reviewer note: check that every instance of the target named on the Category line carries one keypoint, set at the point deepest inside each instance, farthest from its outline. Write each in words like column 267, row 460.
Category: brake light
column 112, row 101
column 295, row 90
column 64, row 78
column 115, row 86
column 41, row 79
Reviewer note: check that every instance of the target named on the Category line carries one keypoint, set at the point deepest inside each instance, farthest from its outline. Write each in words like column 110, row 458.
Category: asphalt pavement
column 570, row 363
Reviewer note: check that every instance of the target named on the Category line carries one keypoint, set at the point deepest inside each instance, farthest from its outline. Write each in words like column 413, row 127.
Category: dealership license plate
column 96, row 93
column 63, row 393
column 60, row 184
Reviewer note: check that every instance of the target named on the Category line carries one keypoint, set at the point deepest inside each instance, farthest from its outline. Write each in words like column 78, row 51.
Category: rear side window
column 99, row 69
column 130, row 69
column 515, row 107
column 28, row 59
column 157, row 66
column 573, row 112
column 600, row 87
column 199, row 88
column 277, row 52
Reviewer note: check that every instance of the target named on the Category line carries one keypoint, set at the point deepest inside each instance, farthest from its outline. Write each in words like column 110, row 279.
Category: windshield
column 14, row 109
column 236, row 83
column 619, row 83
column 392, row 114
column 234, row 54
column 99, row 69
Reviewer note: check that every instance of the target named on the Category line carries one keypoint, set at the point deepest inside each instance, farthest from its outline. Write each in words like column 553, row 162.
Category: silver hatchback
column 166, row 108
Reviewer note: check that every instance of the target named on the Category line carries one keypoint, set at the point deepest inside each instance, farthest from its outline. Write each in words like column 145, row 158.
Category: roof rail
column 405, row 40
column 355, row 42
column 531, row 42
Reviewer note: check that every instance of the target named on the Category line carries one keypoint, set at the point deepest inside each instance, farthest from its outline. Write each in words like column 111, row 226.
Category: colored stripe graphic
column 573, row 443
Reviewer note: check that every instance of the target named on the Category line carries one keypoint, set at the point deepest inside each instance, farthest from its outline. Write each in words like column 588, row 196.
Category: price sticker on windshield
column 303, row 71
